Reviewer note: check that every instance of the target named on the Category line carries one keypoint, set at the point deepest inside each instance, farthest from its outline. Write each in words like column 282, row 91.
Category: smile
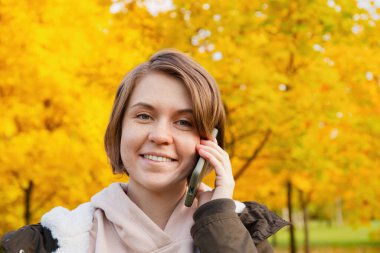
column 158, row 158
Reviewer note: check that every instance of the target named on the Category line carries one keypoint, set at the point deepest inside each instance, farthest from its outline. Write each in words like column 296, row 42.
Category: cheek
column 189, row 150
column 192, row 162
column 124, row 153
column 127, row 143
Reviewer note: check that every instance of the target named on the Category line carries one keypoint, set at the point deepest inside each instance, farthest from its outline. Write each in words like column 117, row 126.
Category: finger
column 214, row 145
column 212, row 151
column 220, row 154
column 220, row 168
column 203, row 188
column 224, row 180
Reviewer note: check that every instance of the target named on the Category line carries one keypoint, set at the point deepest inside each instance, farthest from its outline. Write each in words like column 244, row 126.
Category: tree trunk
column 292, row 242
column 338, row 212
column 28, row 196
column 304, row 203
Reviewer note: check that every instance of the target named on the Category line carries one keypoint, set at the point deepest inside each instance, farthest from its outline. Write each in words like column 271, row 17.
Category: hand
column 220, row 161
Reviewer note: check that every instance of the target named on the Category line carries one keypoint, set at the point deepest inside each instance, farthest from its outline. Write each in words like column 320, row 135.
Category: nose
column 161, row 134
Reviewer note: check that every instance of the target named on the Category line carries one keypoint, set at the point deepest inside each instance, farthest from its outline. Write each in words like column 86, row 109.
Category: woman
column 162, row 119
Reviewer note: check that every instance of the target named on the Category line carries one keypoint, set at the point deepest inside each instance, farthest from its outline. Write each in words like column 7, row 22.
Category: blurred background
column 300, row 80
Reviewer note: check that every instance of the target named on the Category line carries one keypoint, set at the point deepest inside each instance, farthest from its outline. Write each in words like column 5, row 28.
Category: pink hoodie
column 119, row 225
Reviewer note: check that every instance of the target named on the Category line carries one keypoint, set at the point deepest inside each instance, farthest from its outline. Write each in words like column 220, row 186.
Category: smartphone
column 197, row 176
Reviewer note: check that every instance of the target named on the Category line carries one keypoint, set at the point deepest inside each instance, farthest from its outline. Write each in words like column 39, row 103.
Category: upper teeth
column 158, row 158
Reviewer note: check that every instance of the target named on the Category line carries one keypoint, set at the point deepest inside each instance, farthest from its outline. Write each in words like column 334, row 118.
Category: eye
column 184, row 123
column 143, row 116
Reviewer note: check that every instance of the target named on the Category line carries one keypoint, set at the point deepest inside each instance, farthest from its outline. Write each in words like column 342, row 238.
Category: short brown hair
column 204, row 92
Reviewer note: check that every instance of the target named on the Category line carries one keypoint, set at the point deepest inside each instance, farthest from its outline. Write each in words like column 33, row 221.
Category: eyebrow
column 151, row 107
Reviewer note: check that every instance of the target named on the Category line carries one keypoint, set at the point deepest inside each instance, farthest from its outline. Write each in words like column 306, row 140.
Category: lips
column 158, row 157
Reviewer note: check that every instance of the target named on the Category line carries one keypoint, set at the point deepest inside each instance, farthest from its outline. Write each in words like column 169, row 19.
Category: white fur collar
column 71, row 228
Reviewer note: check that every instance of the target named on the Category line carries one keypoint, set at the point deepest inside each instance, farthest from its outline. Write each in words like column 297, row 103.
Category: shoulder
column 60, row 229
column 259, row 220
column 64, row 223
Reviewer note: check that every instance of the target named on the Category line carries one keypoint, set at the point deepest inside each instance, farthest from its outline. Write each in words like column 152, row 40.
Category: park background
column 300, row 81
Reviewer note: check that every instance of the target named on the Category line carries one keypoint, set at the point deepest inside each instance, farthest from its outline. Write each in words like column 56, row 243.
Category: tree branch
column 253, row 156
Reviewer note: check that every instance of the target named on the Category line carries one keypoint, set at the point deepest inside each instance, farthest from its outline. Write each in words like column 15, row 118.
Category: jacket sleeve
column 218, row 228
column 30, row 238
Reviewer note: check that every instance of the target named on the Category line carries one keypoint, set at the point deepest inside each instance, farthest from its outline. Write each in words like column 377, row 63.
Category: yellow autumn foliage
column 300, row 81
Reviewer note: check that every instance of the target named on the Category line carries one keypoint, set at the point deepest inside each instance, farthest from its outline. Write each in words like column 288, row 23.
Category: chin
column 157, row 185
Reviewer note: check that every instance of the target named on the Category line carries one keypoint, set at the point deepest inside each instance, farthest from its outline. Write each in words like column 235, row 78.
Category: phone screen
column 197, row 176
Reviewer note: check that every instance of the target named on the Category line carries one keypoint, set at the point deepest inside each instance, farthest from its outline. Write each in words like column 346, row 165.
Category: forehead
column 161, row 90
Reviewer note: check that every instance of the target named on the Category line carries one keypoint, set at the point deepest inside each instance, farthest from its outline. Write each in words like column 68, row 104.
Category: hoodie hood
column 120, row 225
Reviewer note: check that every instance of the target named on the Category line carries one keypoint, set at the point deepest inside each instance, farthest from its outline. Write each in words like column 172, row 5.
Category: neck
column 158, row 206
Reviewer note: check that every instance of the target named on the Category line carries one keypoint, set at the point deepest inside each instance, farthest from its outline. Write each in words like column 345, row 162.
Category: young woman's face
column 159, row 135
